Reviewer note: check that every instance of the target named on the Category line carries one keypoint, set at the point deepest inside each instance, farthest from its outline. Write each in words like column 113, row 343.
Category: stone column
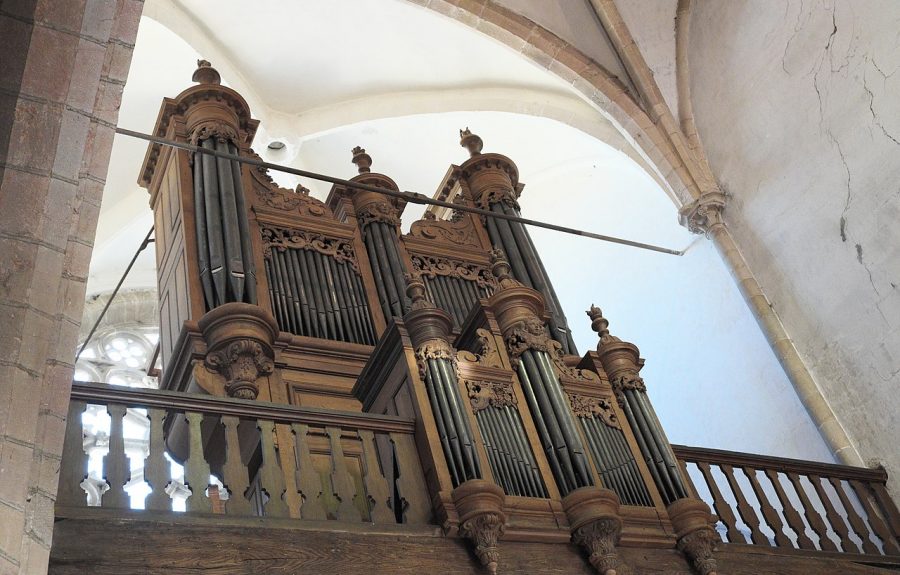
column 63, row 69
column 706, row 216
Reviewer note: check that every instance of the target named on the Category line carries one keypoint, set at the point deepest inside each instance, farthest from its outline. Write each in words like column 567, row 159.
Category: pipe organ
column 272, row 295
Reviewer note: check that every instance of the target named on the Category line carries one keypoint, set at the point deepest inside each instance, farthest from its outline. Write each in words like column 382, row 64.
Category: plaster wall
column 796, row 106
column 652, row 25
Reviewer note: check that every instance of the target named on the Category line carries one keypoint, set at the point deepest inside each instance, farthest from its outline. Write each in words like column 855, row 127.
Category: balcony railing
column 272, row 460
column 259, row 459
column 789, row 503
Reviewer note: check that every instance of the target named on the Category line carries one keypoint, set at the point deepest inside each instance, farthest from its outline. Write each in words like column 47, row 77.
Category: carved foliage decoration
column 484, row 394
column 699, row 546
column 484, row 531
column 217, row 129
column 527, row 334
column 627, row 381
column 434, row 349
column 587, row 406
column 299, row 200
column 460, row 232
column 489, row 355
column 431, row 266
column 386, row 211
column 241, row 363
column 599, row 539
column 283, row 238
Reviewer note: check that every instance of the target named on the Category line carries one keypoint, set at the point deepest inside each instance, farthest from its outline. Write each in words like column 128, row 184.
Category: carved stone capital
column 703, row 214
column 241, row 363
column 482, row 520
column 593, row 513
column 239, row 339
column 692, row 522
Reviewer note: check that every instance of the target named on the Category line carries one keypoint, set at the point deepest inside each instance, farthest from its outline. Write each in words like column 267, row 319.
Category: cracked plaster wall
column 798, row 109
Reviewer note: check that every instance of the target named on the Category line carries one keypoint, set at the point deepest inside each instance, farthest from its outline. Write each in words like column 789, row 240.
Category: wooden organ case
column 269, row 294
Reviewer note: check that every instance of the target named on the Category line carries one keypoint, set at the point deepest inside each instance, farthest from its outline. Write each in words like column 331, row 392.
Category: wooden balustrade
column 791, row 503
column 274, row 460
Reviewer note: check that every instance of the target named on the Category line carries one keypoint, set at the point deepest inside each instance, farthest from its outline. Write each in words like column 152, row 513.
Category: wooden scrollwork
column 431, row 266
column 283, row 238
column 587, row 406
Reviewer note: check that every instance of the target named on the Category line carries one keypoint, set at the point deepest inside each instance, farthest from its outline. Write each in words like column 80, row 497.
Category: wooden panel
column 104, row 547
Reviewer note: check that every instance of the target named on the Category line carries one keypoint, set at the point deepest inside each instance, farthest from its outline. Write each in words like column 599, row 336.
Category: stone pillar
column 62, row 73
column 706, row 216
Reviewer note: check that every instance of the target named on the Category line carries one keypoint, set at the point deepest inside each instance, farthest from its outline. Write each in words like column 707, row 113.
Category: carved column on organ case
column 378, row 218
column 519, row 311
column 493, row 183
column 479, row 503
column 691, row 517
column 206, row 252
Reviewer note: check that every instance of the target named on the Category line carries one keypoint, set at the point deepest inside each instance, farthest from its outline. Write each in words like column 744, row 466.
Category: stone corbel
column 482, row 519
column 239, row 339
column 704, row 213
column 593, row 514
column 697, row 539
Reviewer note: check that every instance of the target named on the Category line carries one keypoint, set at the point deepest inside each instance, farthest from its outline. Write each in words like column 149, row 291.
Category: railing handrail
column 783, row 464
column 101, row 393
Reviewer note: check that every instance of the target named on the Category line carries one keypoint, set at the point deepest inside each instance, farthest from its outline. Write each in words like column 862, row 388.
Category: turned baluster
column 856, row 522
column 341, row 481
column 793, row 518
column 876, row 520
column 723, row 510
column 834, row 518
column 377, row 493
column 270, row 472
column 748, row 515
column 116, row 469
column 236, row 475
column 74, row 467
column 308, row 480
column 157, row 470
column 769, row 514
column 196, row 470
column 812, row 516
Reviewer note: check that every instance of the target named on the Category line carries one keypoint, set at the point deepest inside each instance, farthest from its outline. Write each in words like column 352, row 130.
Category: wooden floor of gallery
column 134, row 545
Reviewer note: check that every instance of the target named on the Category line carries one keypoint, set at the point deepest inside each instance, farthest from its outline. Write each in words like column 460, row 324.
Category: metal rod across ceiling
column 411, row 197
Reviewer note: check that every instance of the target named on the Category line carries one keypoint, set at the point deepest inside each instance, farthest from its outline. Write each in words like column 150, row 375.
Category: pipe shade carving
column 315, row 286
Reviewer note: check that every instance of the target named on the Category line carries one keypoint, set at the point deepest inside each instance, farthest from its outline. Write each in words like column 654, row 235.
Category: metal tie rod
column 412, row 197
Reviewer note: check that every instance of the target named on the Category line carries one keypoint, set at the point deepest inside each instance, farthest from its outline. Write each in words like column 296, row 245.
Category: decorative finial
column 501, row 270
column 206, row 74
column 362, row 160
column 302, row 190
column 470, row 141
column 429, row 215
column 415, row 290
column 600, row 325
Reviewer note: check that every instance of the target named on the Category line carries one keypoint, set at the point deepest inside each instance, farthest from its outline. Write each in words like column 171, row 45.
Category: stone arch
column 592, row 80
